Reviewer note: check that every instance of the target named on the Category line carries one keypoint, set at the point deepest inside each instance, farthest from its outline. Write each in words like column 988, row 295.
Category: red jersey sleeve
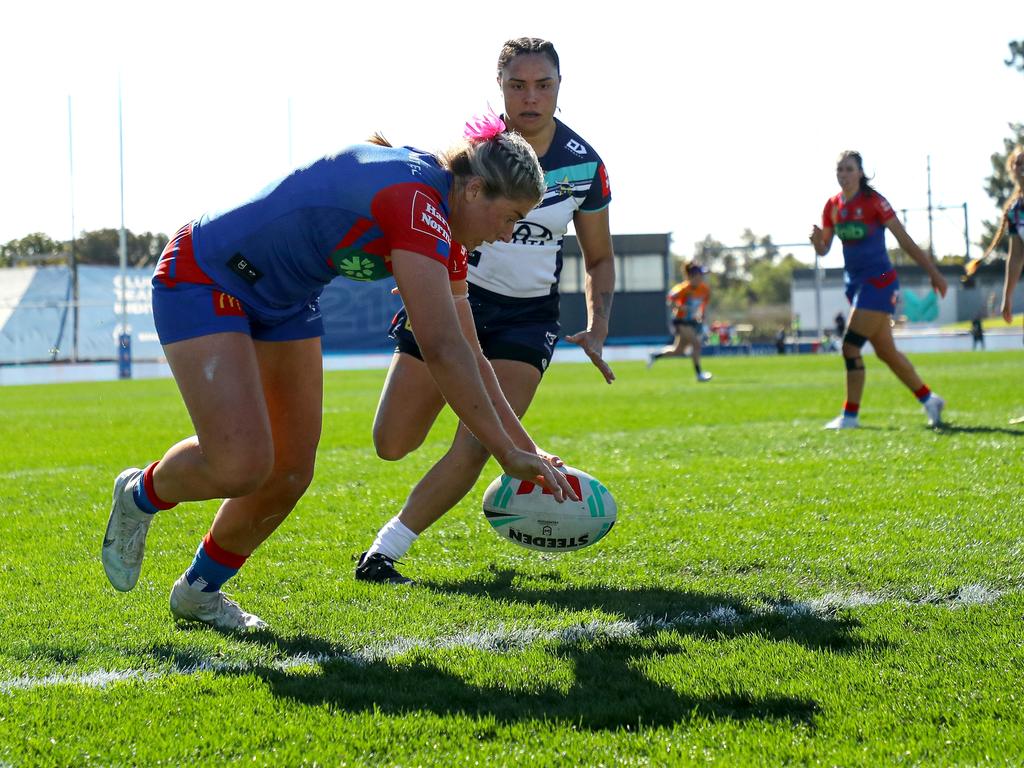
column 412, row 218
column 828, row 216
column 458, row 264
column 883, row 210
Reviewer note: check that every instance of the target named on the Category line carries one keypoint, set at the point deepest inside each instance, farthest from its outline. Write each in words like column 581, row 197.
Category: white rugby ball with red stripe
column 525, row 514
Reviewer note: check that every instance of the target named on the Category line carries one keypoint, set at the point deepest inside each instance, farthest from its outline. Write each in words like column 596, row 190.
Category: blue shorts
column 878, row 294
column 188, row 304
column 525, row 330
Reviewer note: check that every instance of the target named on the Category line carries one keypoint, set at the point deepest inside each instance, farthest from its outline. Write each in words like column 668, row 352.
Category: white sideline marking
column 507, row 639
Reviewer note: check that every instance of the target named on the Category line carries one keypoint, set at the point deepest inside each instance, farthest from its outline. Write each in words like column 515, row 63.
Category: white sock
column 393, row 540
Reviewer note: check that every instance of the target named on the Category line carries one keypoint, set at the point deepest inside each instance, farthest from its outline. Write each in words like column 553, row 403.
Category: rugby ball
column 525, row 514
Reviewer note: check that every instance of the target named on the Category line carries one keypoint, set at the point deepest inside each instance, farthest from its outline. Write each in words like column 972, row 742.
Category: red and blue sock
column 851, row 409
column 145, row 495
column 923, row 393
column 213, row 565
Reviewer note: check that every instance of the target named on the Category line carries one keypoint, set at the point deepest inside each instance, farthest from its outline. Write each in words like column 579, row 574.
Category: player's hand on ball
column 550, row 458
column 537, row 469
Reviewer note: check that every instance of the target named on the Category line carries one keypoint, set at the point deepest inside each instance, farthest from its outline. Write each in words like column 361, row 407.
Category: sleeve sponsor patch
column 428, row 219
column 411, row 218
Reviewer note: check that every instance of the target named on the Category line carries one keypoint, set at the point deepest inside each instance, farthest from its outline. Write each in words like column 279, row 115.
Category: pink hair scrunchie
column 484, row 127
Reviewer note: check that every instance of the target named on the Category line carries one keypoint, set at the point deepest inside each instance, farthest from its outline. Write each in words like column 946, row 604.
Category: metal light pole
column 124, row 347
column 931, row 246
column 74, row 256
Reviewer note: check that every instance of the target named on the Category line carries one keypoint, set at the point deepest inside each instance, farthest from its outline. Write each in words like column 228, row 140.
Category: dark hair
column 1016, row 195
column 850, row 154
column 521, row 45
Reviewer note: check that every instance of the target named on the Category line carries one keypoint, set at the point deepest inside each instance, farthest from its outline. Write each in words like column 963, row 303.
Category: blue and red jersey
column 860, row 223
column 341, row 215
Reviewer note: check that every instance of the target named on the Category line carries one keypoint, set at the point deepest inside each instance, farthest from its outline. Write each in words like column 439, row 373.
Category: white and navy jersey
column 1015, row 218
column 529, row 265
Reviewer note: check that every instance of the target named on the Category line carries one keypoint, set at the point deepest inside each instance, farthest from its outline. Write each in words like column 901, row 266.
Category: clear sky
column 711, row 117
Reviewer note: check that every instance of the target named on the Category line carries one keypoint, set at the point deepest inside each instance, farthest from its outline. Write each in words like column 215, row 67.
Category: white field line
column 507, row 639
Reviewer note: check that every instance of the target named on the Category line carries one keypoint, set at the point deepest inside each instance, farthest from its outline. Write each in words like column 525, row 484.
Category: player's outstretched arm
column 923, row 259
column 594, row 235
column 427, row 294
column 509, row 420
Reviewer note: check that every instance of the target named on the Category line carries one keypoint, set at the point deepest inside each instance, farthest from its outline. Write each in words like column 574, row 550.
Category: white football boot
column 213, row 608
column 124, row 542
column 703, row 376
column 933, row 407
column 842, row 421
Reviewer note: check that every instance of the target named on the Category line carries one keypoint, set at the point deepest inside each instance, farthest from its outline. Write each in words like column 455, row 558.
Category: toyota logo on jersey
column 528, row 233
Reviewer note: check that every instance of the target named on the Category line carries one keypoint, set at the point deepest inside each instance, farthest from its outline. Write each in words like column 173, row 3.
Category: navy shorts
column 875, row 293
column 525, row 330
column 188, row 304
column 692, row 324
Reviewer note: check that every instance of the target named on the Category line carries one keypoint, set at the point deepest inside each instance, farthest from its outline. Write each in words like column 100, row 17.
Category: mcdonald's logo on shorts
column 226, row 305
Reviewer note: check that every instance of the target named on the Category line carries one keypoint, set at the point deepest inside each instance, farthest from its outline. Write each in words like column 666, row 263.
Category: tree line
column 100, row 247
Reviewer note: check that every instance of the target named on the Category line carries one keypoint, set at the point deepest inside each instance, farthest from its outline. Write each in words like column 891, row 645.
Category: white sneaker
column 842, row 421
column 213, row 608
column 650, row 360
column 124, row 542
column 703, row 376
column 933, row 407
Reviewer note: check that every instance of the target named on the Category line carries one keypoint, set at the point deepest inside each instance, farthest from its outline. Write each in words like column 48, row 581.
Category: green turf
column 772, row 593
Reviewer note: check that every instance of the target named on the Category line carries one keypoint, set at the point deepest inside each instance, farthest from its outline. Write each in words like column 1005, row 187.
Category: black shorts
column 697, row 327
column 525, row 330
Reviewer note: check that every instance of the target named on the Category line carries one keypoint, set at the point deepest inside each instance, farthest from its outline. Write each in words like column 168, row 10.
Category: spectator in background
column 780, row 341
column 840, row 322
column 977, row 333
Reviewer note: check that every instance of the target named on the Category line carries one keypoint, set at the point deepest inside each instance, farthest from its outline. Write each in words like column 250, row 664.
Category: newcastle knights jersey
column 529, row 265
column 860, row 223
column 341, row 215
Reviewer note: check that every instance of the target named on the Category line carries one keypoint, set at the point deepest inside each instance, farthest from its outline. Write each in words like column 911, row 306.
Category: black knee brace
column 854, row 363
column 854, row 339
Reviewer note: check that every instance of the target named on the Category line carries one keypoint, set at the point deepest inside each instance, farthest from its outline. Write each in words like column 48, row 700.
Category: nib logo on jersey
column 528, row 233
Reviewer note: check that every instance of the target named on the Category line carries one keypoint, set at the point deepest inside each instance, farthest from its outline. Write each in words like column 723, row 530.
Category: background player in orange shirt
column 689, row 300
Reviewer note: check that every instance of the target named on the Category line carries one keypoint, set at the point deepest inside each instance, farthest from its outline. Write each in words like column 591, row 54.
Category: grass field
column 772, row 593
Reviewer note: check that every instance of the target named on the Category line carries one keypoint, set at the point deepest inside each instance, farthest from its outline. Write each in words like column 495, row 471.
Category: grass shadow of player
column 607, row 688
column 597, row 682
column 689, row 613
column 975, row 429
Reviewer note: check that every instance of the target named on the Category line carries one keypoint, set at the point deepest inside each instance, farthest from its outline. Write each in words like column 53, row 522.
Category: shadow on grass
column 688, row 613
column 609, row 689
column 602, row 678
column 979, row 429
